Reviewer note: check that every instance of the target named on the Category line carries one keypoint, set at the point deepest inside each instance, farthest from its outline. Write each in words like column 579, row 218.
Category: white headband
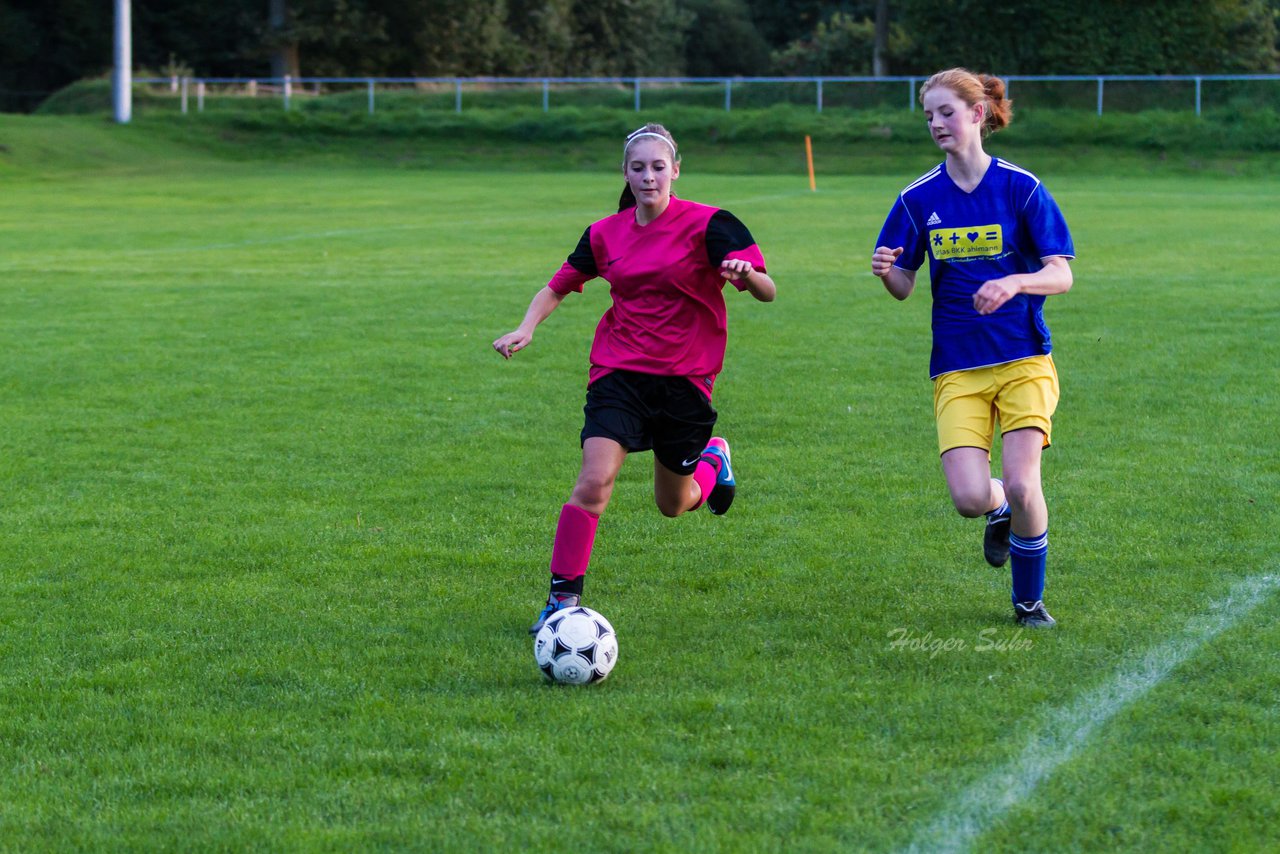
column 641, row 133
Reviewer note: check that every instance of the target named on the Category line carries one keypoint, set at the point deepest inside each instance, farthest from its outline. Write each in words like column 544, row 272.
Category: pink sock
column 705, row 476
column 575, row 534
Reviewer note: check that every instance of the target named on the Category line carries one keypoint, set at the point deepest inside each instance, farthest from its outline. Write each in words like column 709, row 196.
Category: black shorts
column 646, row 411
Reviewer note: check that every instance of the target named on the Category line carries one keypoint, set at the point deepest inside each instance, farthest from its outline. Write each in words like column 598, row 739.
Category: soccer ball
column 576, row 646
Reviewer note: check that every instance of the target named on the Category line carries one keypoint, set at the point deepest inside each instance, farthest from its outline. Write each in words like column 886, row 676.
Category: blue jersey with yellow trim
column 1005, row 226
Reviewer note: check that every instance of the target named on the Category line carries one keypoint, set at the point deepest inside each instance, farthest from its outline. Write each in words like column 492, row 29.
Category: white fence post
column 819, row 94
column 546, row 94
column 1197, row 95
column 728, row 94
column 637, row 94
column 122, row 72
column 370, row 81
column 186, row 81
column 288, row 89
column 1099, row 96
column 457, row 94
column 911, row 93
column 200, row 97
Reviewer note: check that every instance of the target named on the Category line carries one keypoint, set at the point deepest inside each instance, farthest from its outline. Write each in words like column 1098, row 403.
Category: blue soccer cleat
column 716, row 454
column 555, row 602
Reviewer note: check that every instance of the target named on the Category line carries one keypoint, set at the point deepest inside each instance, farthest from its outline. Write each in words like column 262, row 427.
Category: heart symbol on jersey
column 973, row 235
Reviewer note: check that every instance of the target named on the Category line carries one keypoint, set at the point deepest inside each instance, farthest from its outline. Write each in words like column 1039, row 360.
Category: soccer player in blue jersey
column 997, row 245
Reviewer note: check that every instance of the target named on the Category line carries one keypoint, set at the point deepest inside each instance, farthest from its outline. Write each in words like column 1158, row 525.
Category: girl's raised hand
column 882, row 260
column 734, row 269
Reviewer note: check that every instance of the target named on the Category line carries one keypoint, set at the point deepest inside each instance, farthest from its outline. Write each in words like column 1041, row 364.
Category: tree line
column 46, row 44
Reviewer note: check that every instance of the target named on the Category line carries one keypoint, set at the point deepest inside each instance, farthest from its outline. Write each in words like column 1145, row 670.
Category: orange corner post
column 808, row 154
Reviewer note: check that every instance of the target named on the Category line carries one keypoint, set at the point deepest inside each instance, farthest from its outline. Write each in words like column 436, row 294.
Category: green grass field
column 274, row 520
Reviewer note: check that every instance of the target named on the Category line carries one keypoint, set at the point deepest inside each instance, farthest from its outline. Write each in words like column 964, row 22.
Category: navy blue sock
column 1026, row 564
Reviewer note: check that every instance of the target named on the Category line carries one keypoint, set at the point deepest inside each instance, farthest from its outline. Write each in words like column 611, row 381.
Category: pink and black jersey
column 668, row 315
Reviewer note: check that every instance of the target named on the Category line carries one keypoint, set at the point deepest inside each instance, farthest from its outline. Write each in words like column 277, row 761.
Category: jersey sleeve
column 578, row 269
column 1046, row 226
column 729, row 239
column 900, row 229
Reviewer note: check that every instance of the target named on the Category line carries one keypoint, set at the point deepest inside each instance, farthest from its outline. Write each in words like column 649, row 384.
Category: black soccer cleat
column 555, row 602
column 1033, row 615
column 995, row 539
column 722, row 493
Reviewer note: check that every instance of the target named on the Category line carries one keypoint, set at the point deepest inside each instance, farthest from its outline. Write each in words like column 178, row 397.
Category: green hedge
column 1158, row 130
column 405, row 115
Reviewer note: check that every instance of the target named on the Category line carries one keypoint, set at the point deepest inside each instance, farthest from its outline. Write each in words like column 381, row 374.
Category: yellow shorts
column 969, row 404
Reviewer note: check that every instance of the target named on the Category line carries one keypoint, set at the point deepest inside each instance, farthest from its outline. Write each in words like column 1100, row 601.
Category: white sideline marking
column 979, row 807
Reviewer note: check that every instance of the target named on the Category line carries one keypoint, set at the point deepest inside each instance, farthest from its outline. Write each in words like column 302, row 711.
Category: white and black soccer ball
column 576, row 646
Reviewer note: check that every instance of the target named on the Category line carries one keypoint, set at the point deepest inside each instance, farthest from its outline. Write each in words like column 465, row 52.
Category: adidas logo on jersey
column 934, row 219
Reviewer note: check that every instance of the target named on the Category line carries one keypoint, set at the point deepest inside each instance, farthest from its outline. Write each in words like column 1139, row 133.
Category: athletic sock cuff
column 1029, row 545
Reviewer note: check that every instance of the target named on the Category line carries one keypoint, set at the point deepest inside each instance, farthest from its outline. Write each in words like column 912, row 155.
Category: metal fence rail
column 1069, row 89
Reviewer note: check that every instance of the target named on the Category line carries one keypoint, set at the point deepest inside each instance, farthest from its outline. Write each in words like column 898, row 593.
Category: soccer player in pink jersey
column 656, row 352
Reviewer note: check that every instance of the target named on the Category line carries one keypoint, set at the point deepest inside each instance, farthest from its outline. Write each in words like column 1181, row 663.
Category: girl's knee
column 670, row 509
column 973, row 500
column 1022, row 493
column 971, row 506
column 673, row 503
column 591, row 495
